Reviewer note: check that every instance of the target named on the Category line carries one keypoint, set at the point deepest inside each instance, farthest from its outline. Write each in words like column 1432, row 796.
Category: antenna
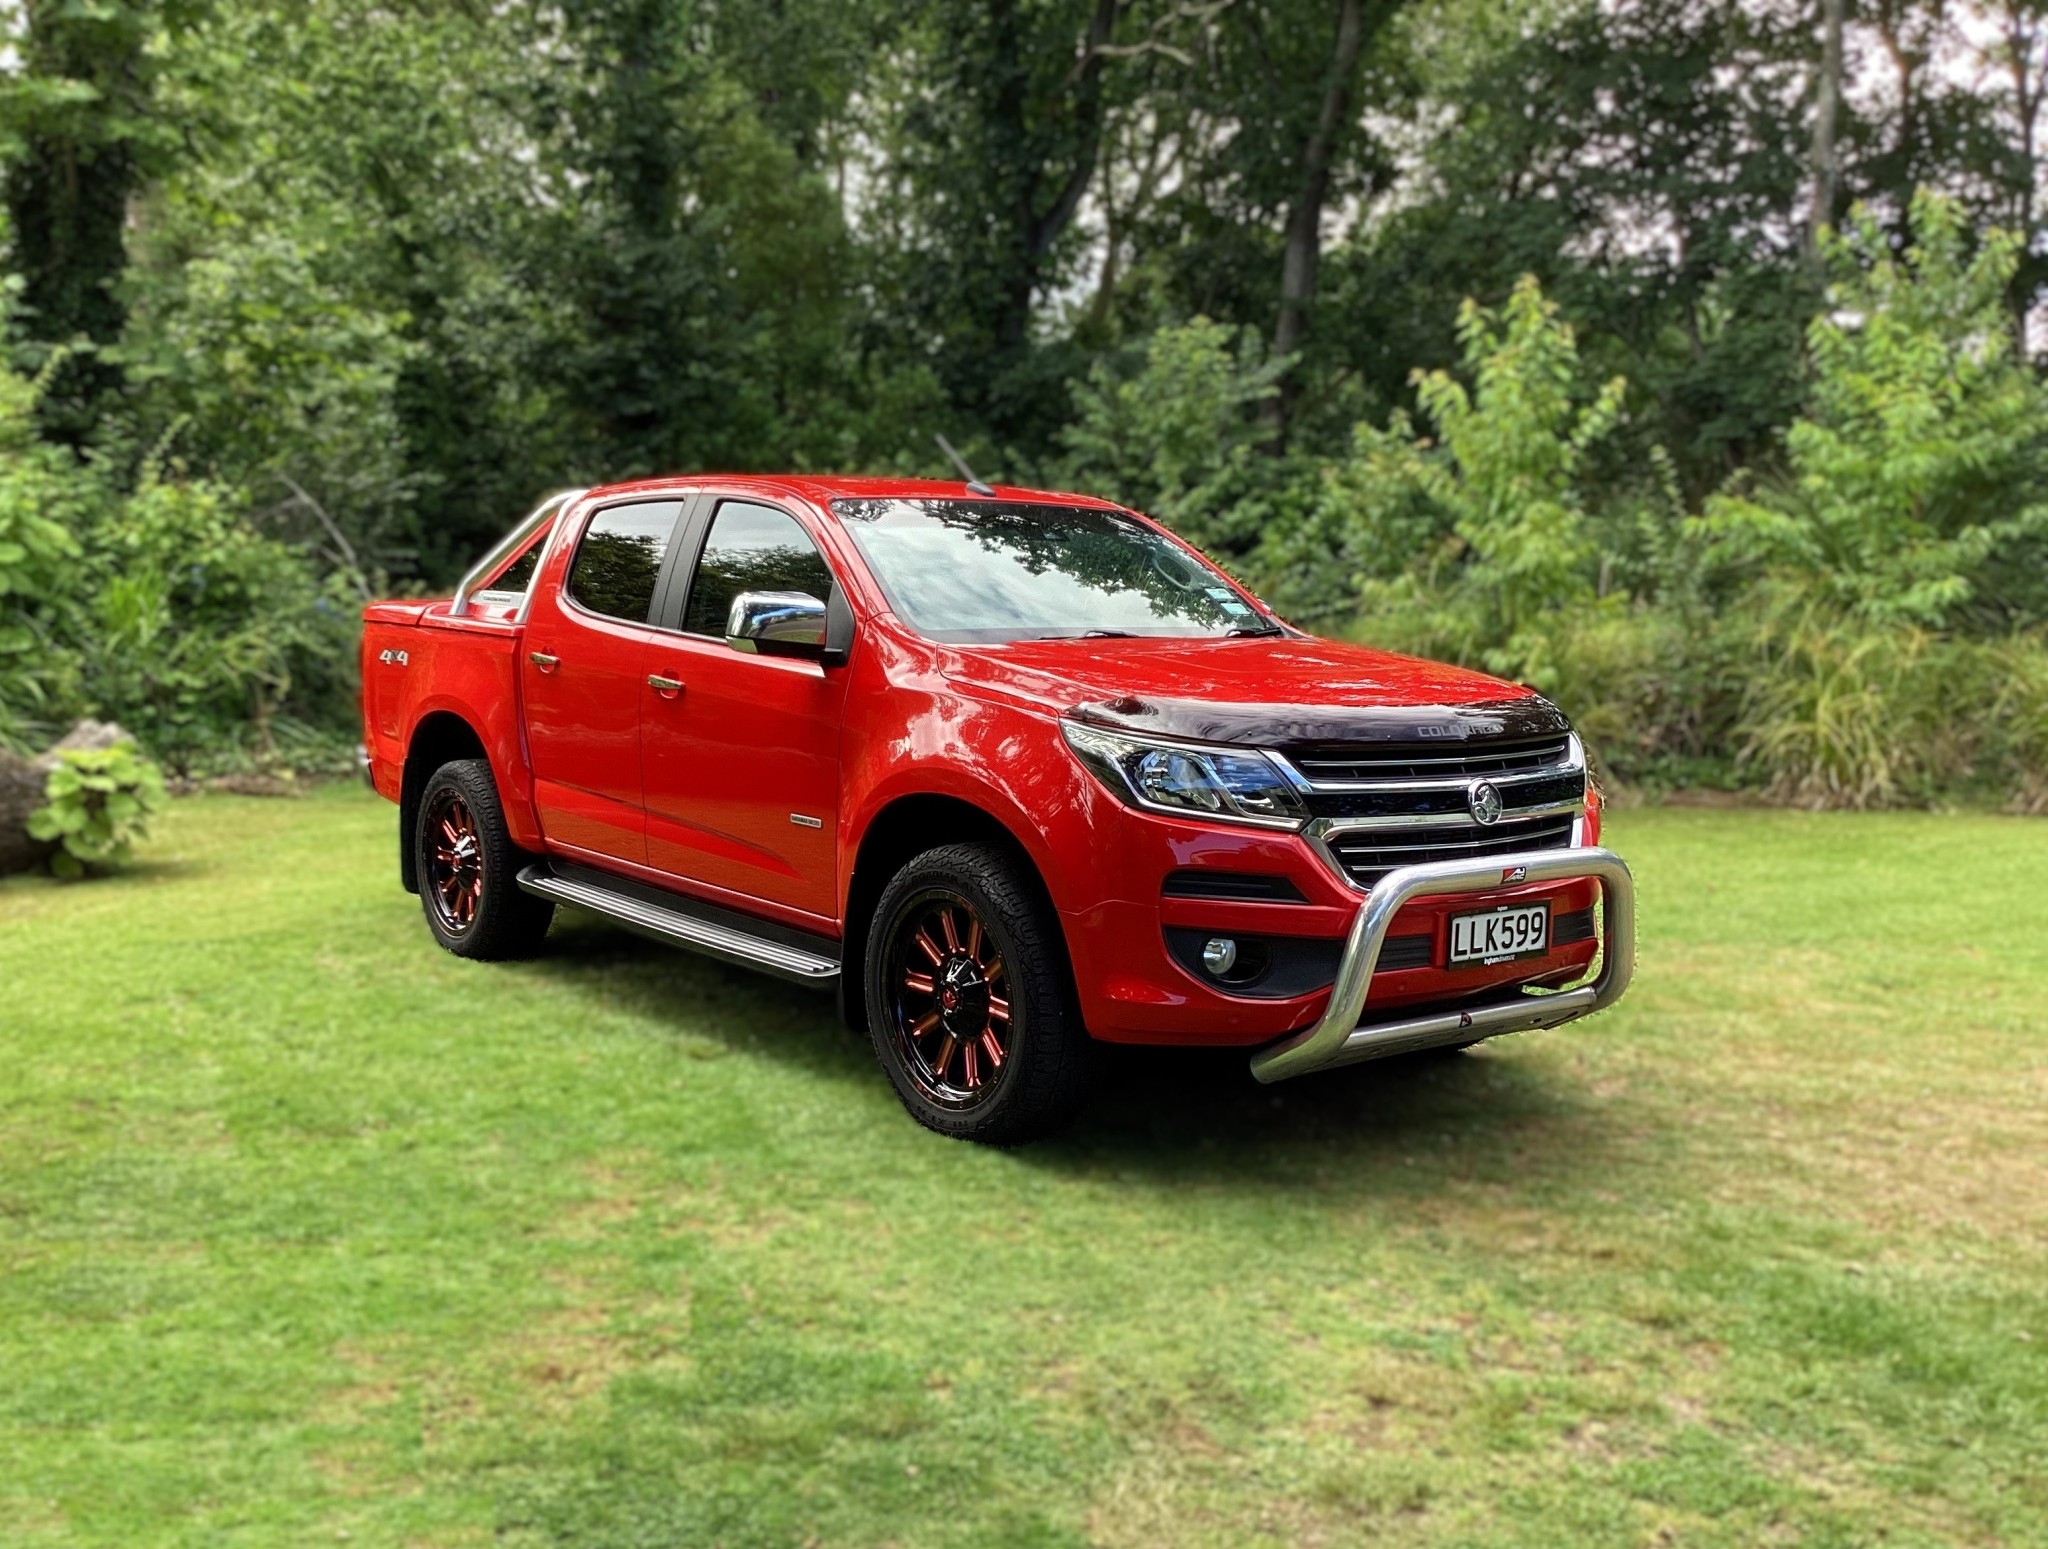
column 974, row 485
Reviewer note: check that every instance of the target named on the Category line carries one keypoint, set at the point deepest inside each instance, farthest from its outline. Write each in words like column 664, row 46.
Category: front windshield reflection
column 984, row 570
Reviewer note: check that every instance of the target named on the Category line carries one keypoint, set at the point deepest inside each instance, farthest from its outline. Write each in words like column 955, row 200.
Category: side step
column 688, row 922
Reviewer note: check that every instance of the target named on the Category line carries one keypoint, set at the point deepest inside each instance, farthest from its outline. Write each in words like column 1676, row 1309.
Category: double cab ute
column 1014, row 772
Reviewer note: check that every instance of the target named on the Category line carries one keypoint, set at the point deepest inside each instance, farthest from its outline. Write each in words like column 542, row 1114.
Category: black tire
column 943, row 1074
column 469, row 868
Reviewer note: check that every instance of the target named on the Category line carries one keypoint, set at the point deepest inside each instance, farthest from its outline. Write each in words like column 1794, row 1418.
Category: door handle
column 668, row 688
column 543, row 661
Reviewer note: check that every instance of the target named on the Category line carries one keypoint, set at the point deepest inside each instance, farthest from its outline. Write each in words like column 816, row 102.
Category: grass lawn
column 310, row 1233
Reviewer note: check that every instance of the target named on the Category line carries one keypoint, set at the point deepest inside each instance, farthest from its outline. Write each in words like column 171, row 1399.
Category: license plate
column 1500, row 935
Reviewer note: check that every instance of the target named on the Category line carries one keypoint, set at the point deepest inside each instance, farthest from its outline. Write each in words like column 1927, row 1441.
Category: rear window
column 516, row 577
column 619, row 560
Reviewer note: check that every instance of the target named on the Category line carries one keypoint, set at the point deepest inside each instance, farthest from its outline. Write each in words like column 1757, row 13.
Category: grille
column 1240, row 886
column 1369, row 854
column 1355, row 762
column 1572, row 927
column 1406, row 952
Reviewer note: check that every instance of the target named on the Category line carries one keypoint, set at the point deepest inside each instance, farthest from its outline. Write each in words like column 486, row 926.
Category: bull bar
column 1344, row 1037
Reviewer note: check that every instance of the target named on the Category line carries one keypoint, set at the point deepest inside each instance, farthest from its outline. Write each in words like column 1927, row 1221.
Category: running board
column 671, row 917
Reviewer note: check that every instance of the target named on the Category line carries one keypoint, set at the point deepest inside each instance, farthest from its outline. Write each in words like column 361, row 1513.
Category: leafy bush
column 158, row 604
column 1465, row 539
column 1921, row 463
column 39, row 583
column 1840, row 712
column 1179, row 439
column 99, row 804
column 1862, row 630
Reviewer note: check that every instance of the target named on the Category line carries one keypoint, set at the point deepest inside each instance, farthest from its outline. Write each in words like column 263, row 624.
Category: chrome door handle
column 543, row 661
column 668, row 688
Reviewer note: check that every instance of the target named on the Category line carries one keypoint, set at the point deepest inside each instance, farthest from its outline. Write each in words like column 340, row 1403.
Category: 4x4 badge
column 1484, row 800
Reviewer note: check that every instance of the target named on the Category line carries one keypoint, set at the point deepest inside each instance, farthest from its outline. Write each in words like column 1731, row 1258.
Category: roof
column 824, row 487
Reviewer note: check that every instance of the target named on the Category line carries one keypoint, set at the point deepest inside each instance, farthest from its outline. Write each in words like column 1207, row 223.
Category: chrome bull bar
column 1343, row 1036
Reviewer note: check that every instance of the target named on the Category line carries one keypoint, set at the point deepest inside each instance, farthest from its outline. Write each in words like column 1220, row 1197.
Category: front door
column 742, row 760
column 583, row 673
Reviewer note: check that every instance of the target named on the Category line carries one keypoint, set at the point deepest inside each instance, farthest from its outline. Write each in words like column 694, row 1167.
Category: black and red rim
column 949, row 997
column 455, row 861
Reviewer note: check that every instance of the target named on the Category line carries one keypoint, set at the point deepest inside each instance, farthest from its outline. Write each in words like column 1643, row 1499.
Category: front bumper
column 1345, row 1035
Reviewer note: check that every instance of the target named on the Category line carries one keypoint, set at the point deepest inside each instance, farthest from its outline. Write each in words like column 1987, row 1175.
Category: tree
column 1917, row 486
column 1478, row 527
column 1302, row 249
column 77, row 114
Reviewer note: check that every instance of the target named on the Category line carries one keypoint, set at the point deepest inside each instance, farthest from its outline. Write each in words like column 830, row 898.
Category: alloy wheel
column 455, row 861
column 949, row 992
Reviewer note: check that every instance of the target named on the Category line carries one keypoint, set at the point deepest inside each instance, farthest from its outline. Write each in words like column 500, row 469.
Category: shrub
column 1840, row 712
column 99, row 804
column 1918, row 473
column 1178, row 439
column 1466, row 539
column 158, row 604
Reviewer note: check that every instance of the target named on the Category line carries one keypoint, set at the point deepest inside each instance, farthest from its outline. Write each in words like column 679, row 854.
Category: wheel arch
column 440, row 737
column 904, row 827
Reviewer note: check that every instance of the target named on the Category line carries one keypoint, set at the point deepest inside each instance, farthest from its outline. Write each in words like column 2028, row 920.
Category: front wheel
column 968, row 999
column 469, row 868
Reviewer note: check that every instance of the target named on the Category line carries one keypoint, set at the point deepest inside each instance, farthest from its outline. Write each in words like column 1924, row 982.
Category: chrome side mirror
column 776, row 624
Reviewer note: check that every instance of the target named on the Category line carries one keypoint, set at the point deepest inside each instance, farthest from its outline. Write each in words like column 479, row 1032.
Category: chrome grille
column 1327, row 765
column 1367, row 854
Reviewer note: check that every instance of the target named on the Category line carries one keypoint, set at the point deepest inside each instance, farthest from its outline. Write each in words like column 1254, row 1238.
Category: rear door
column 584, row 675
column 742, row 759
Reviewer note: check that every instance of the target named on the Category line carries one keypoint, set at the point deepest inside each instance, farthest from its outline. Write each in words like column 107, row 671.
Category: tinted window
column 1000, row 570
column 619, row 559
column 518, row 576
column 752, row 549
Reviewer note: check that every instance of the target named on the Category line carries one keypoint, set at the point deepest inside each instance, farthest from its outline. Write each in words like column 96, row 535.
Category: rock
column 21, row 790
column 84, row 737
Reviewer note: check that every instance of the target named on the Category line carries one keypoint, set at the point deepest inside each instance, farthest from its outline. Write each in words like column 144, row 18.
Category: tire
column 469, row 868
column 969, row 1001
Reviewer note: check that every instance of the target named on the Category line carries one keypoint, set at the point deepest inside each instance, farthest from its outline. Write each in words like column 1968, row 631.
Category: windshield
column 991, row 570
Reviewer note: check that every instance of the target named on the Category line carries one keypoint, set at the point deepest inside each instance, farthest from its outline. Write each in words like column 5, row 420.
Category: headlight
column 1188, row 781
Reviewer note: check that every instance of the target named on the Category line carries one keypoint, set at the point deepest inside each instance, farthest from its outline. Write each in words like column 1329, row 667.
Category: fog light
column 1219, row 955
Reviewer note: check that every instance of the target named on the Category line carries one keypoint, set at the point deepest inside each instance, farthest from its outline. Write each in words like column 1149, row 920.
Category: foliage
column 1919, row 471
column 1476, row 532
column 1179, row 438
column 161, row 607
column 99, row 805
column 355, row 283
column 40, row 512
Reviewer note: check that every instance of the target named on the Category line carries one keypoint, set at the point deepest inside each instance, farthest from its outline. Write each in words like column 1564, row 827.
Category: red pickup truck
column 1013, row 771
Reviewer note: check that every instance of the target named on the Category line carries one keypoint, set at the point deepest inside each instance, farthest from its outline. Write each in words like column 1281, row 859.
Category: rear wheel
column 968, row 999
column 469, row 868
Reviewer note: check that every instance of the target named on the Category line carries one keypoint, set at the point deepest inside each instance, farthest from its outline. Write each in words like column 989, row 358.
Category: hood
column 1276, row 693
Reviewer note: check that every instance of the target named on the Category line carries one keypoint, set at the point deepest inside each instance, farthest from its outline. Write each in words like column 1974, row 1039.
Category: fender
column 498, row 728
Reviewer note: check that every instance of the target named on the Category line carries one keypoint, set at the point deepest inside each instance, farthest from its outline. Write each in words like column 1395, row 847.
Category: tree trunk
column 1827, row 105
column 1038, row 230
column 1304, row 246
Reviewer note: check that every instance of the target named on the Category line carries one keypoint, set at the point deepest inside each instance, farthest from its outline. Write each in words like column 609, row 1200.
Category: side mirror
column 777, row 624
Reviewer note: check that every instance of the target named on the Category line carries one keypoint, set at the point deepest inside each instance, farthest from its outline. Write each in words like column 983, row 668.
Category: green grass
column 311, row 1233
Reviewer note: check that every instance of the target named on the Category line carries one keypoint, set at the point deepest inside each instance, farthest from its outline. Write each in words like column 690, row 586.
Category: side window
column 752, row 549
column 619, row 559
column 516, row 577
